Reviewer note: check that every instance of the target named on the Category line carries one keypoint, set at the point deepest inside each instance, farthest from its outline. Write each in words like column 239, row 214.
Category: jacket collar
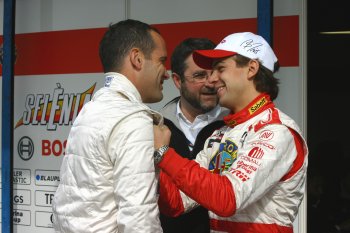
column 259, row 104
column 119, row 83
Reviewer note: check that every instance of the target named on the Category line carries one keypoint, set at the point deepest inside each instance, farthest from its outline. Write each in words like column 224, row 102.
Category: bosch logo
column 25, row 148
column 55, row 147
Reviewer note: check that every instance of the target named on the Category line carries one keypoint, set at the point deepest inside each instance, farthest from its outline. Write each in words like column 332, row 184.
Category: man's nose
column 213, row 78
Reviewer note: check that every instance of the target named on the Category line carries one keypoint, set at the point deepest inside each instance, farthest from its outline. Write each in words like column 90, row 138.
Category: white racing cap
column 244, row 43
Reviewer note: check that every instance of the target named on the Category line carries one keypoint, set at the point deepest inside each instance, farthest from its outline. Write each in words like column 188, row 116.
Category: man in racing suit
column 251, row 173
column 107, row 179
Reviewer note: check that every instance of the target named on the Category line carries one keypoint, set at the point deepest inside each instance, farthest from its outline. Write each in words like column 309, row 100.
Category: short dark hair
column 120, row 38
column 264, row 80
column 185, row 49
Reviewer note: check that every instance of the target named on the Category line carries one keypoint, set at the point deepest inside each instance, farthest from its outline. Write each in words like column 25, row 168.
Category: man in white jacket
column 107, row 178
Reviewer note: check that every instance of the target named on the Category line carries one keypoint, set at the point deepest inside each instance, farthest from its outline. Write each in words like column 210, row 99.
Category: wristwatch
column 158, row 154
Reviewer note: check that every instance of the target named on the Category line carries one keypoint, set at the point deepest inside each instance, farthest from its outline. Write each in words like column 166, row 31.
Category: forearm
column 212, row 191
column 170, row 202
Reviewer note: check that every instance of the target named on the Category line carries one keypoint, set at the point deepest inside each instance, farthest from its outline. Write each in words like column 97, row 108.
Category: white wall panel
column 167, row 11
column 286, row 7
column 54, row 15
column 290, row 95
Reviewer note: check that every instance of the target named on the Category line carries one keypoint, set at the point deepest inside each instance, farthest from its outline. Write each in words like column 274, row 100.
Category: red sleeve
column 212, row 191
column 170, row 202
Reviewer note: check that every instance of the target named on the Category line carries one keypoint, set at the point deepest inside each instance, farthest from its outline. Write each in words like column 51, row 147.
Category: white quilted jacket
column 107, row 178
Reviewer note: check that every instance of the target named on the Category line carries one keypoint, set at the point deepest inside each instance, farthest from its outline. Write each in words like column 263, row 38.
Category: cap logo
column 250, row 46
column 223, row 41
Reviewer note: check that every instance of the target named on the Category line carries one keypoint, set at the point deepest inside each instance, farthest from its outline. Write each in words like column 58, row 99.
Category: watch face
column 157, row 156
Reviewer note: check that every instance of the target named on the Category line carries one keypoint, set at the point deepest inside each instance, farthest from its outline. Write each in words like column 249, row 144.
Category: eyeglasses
column 198, row 77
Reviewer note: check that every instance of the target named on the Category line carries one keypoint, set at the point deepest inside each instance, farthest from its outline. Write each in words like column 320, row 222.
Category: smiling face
column 235, row 86
column 198, row 96
column 154, row 72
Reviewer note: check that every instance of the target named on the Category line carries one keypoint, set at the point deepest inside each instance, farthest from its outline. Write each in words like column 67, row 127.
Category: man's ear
column 253, row 66
column 136, row 58
column 176, row 80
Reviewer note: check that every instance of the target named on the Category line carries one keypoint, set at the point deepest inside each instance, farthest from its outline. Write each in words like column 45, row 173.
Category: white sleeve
column 131, row 148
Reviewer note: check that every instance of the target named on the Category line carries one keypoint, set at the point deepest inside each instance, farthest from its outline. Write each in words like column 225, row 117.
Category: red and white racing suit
column 257, row 169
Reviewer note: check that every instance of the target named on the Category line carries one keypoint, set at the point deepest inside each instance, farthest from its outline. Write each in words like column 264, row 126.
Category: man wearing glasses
column 191, row 117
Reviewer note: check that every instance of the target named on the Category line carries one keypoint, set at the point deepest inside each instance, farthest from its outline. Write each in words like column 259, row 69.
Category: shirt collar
column 209, row 116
